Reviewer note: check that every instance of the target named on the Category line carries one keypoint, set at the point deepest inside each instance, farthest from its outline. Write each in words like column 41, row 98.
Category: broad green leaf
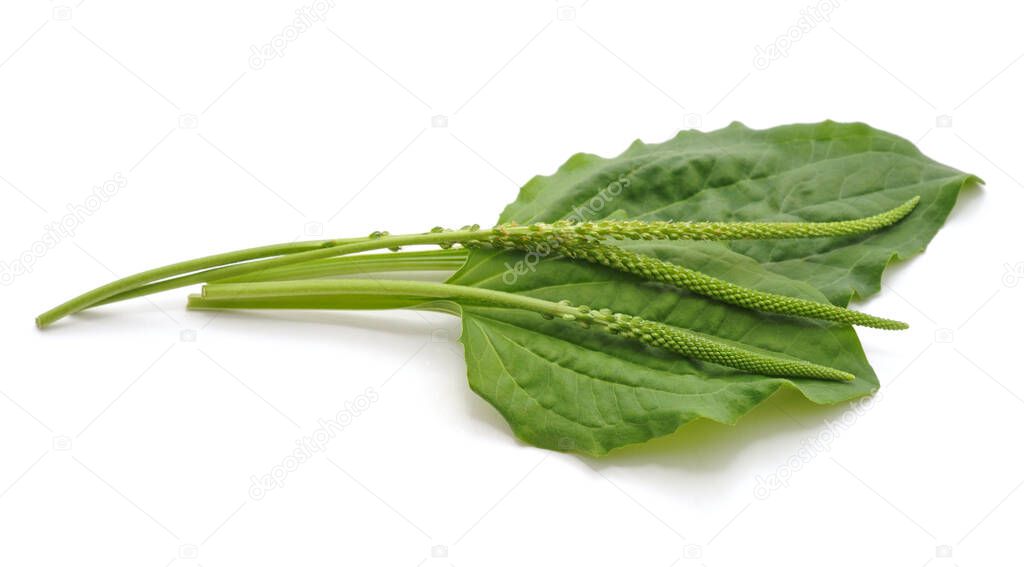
column 809, row 172
column 563, row 387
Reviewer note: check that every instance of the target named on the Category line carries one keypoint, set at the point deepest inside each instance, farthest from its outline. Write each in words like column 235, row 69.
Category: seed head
column 704, row 347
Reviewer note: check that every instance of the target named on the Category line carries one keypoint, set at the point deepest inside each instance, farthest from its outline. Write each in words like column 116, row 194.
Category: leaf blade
column 801, row 172
column 566, row 388
column 541, row 374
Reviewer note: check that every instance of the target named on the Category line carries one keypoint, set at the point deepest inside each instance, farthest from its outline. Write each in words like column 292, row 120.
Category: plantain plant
column 621, row 298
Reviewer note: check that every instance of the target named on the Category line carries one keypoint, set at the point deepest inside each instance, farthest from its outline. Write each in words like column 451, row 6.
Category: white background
column 130, row 434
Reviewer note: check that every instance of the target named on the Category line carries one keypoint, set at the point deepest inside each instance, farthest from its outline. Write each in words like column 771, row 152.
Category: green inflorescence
column 654, row 269
column 589, row 241
column 580, row 232
column 702, row 347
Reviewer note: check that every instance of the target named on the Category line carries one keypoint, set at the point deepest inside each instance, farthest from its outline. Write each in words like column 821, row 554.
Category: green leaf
column 566, row 388
column 808, row 172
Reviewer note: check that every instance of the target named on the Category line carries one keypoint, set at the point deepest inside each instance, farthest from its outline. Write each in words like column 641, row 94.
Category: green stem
column 686, row 342
column 91, row 297
column 417, row 261
column 349, row 302
column 425, row 291
column 232, row 264
column 425, row 260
